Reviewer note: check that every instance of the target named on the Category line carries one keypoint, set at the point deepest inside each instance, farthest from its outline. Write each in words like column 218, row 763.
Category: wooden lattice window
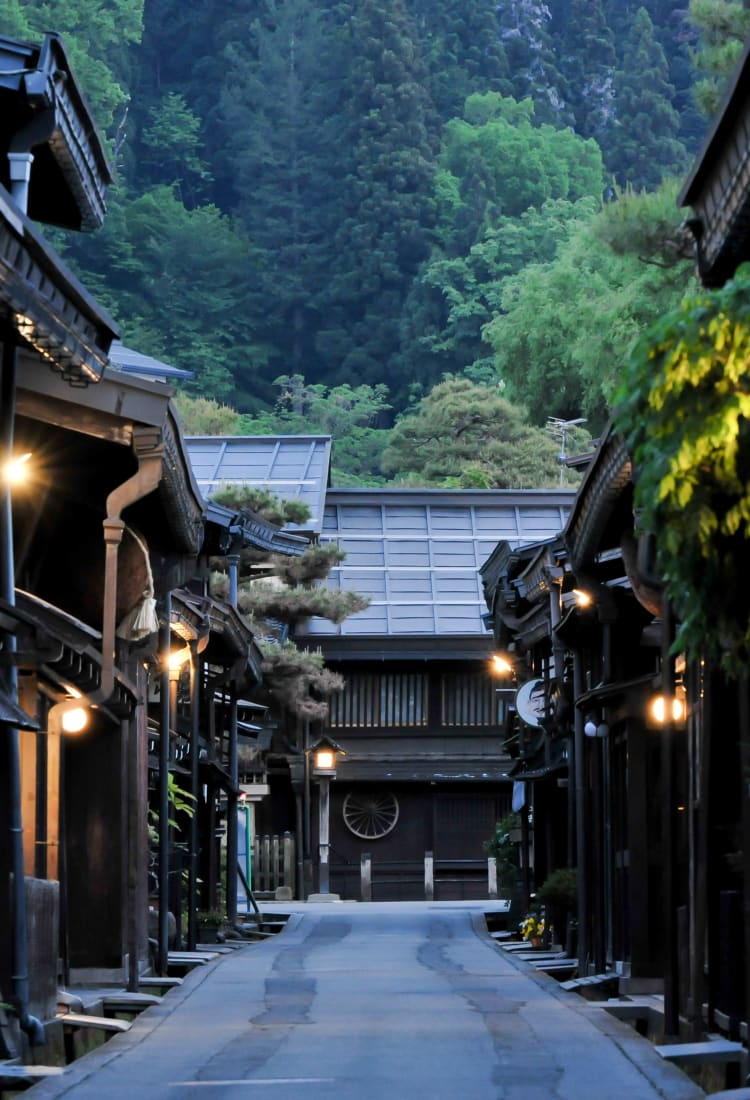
column 469, row 699
column 380, row 701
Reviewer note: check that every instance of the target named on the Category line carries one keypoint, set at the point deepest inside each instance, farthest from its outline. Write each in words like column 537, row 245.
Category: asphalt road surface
column 372, row 1002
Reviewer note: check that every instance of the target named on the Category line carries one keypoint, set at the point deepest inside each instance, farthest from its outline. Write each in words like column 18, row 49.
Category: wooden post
column 429, row 877
column 288, row 860
column 491, row 877
column 324, row 880
column 365, row 876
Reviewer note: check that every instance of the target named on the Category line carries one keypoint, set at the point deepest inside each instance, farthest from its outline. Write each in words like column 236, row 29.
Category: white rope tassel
column 142, row 619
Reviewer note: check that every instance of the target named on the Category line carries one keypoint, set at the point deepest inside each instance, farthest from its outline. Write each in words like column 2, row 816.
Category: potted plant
column 559, row 896
column 210, row 923
column 532, row 928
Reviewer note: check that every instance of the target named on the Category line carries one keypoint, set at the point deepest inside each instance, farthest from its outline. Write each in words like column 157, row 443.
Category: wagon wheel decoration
column 370, row 814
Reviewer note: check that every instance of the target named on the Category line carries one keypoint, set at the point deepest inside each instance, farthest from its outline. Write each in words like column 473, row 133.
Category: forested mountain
column 383, row 192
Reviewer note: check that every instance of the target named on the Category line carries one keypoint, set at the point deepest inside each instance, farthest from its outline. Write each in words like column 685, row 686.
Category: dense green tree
column 504, row 192
column 97, row 36
column 526, row 34
column 684, row 408
column 723, row 27
column 466, row 292
column 460, row 40
column 384, row 195
column 588, row 63
column 280, row 174
column 566, row 326
column 172, row 147
column 645, row 147
column 496, row 162
column 351, row 415
column 176, row 279
column 462, row 434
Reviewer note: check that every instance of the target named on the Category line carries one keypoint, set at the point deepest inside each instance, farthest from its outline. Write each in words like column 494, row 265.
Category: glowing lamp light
column 16, row 470
column 74, row 720
column 500, row 665
column 583, row 599
column 176, row 659
column 325, row 760
column 658, row 709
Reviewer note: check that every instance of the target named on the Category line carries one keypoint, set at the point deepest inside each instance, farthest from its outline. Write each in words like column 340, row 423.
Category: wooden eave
column 718, row 187
column 47, row 306
column 390, row 648
column 594, row 507
column 61, row 648
column 131, row 412
column 43, row 110
column 233, row 637
column 224, row 527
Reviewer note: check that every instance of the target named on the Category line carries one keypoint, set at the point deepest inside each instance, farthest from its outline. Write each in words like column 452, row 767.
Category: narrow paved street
column 367, row 1002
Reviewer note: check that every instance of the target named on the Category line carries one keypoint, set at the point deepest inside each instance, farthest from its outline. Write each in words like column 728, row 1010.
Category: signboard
column 531, row 703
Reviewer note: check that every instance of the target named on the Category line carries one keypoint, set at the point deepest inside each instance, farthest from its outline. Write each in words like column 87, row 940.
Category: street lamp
column 323, row 754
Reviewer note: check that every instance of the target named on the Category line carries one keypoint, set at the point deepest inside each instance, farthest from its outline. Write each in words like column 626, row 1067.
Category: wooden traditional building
column 420, row 716
column 656, row 810
column 103, row 574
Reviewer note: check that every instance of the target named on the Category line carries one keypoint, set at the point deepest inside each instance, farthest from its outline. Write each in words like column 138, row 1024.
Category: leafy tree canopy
column 566, row 325
column 684, row 409
column 723, row 27
column 467, row 435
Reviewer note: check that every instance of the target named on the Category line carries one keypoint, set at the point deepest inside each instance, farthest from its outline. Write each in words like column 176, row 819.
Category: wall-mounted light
column 71, row 716
column 660, row 708
column 583, row 598
column 595, row 726
column 176, row 659
column 16, row 470
column 501, row 665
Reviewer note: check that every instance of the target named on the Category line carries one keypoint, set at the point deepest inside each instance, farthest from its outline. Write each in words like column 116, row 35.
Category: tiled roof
column 293, row 467
column 416, row 553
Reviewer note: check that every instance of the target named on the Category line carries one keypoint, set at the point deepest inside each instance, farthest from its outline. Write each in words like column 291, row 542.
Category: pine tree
column 525, row 32
column 277, row 593
column 645, row 147
column 588, row 64
column 383, row 194
column 460, row 40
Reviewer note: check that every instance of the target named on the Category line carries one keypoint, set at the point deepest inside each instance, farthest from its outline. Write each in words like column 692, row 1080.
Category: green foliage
column 684, row 409
column 349, row 414
column 646, row 145
column 263, row 503
column 172, row 146
column 463, row 434
column 297, row 680
column 559, row 890
column 506, row 851
column 724, row 26
column 314, row 565
column 264, row 600
column 204, row 416
column 566, row 326
column 96, row 34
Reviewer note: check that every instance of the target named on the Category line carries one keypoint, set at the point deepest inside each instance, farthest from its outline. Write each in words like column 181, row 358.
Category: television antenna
column 558, row 429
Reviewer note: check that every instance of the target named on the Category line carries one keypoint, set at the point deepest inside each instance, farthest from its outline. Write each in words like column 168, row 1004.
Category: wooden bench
column 101, row 1023
column 15, row 1073
column 576, row 984
column 128, row 1002
column 155, row 982
column 713, row 1051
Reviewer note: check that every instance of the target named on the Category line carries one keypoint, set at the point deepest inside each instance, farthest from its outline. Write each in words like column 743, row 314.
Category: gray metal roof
column 293, row 467
column 417, row 553
column 129, row 361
